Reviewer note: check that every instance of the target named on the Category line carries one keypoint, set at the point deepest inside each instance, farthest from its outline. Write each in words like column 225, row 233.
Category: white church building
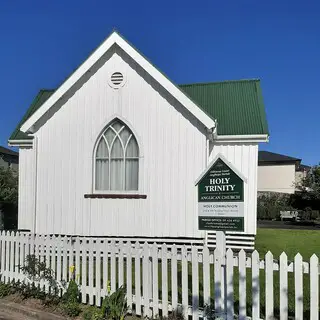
column 116, row 150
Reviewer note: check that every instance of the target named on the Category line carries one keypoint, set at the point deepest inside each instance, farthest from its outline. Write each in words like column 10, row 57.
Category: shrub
column 114, row 306
column 5, row 289
column 73, row 293
column 270, row 204
column 93, row 313
column 36, row 270
column 176, row 314
column 71, row 309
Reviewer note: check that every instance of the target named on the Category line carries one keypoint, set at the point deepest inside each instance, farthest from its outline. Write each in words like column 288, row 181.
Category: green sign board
column 220, row 198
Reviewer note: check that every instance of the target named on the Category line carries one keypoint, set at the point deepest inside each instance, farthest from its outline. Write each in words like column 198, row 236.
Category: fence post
column 229, row 285
column 221, row 246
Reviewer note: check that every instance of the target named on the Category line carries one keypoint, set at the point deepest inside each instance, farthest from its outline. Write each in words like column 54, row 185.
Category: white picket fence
column 160, row 279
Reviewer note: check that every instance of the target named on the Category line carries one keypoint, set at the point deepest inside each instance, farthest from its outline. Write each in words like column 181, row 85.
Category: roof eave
column 20, row 143
column 242, row 138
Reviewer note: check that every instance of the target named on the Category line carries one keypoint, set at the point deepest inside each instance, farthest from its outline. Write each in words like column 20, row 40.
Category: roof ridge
column 47, row 90
column 218, row 82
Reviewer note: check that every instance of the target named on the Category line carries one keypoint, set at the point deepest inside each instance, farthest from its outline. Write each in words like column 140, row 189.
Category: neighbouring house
column 9, row 158
column 117, row 148
column 279, row 173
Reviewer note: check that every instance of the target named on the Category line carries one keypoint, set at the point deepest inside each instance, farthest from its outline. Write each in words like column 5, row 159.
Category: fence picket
column 174, row 278
column 314, row 287
column 113, row 266
column 47, row 258
column 206, row 275
column 269, row 285
column 98, row 273
column 283, row 273
column 91, row 271
column 195, row 283
column 7, row 248
column 21, row 255
column 155, row 294
column 145, row 281
column 137, row 284
column 71, row 257
column 41, row 256
column 298, row 287
column 65, row 266
column 218, row 299
column 106, row 280
column 11, row 254
column 229, row 285
column 59, row 257
column 84, row 271
column 242, row 286
column 129, row 275
column 16, row 256
column 164, row 272
column 77, row 266
column 184, row 281
column 3, row 250
column 120, row 264
column 255, row 285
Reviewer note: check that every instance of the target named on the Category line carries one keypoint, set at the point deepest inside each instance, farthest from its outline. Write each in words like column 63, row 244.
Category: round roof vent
column 116, row 80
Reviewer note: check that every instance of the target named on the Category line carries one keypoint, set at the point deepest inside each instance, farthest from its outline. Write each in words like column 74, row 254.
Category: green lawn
column 305, row 242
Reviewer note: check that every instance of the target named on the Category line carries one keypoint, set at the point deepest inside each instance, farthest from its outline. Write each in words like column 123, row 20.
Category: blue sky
column 42, row 42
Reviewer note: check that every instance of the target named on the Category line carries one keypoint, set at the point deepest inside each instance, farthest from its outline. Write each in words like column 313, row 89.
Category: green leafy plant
column 176, row 314
column 72, row 294
column 5, row 289
column 93, row 313
column 71, row 309
column 114, row 306
column 36, row 270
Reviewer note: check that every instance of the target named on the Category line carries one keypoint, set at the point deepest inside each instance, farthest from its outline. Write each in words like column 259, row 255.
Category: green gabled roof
column 237, row 106
column 41, row 97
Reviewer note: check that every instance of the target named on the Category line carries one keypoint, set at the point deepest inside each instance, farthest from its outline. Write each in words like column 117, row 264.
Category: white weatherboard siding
column 245, row 158
column 172, row 145
column 277, row 178
column 27, row 180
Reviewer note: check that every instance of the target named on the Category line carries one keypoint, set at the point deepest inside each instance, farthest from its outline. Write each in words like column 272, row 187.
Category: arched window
column 117, row 159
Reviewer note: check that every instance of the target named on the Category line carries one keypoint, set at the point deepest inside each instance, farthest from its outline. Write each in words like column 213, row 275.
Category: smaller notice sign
column 220, row 198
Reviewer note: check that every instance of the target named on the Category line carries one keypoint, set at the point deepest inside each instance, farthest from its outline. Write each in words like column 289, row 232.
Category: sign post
column 221, row 207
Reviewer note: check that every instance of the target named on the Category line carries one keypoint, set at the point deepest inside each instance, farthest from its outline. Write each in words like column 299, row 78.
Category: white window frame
column 140, row 158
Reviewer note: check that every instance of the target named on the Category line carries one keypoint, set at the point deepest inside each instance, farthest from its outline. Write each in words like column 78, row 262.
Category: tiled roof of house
column 6, row 151
column 267, row 157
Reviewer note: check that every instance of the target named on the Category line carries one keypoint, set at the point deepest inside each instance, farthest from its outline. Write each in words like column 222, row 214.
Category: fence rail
column 161, row 278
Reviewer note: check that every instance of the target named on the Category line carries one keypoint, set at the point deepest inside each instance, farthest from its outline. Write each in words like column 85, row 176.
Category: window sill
column 115, row 196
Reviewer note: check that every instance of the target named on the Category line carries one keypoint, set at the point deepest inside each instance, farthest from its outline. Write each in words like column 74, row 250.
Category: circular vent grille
column 117, row 79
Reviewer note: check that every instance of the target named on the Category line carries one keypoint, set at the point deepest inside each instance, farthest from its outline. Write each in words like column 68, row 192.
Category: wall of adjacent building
column 277, row 178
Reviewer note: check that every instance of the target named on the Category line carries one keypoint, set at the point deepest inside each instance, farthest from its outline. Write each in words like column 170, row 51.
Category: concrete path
column 14, row 311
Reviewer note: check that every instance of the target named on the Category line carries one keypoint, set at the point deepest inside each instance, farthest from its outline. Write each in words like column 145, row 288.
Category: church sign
column 220, row 198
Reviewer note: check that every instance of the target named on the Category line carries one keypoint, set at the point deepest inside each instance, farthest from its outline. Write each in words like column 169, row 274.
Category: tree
column 8, row 190
column 309, row 188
